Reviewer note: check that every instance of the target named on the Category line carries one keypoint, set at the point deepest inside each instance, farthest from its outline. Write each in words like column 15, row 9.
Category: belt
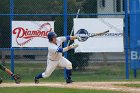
column 53, row 60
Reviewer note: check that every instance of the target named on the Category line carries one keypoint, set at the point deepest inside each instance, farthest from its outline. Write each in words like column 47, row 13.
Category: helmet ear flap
column 50, row 39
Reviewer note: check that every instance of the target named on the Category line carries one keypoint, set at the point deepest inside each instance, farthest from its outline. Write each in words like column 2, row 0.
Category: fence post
column 126, row 41
column 12, row 60
column 65, row 29
column 11, row 49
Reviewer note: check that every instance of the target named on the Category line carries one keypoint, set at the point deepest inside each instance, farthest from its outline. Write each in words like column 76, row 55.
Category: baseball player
column 55, row 57
column 16, row 77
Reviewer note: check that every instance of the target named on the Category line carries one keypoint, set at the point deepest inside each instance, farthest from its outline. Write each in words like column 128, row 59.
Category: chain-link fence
column 86, row 66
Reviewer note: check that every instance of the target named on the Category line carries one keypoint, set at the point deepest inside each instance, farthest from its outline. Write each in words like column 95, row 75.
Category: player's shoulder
column 51, row 46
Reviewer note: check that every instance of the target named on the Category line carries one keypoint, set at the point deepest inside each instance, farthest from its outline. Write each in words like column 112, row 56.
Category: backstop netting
column 30, row 61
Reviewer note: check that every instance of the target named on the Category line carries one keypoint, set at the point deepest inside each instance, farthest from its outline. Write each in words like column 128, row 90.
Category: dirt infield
column 82, row 85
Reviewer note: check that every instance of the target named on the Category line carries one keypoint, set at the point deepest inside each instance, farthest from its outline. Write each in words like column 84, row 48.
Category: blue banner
column 135, row 33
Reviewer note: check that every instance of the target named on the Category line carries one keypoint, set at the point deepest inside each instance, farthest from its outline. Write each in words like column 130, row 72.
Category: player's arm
column 67, row 48
column 15, row 76
column 72, row 37
column 66, row 38
column 6, row 70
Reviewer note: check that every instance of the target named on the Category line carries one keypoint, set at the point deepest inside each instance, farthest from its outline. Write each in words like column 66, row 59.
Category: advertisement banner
column 111, row 41
column 31, row 33
column 135, row 34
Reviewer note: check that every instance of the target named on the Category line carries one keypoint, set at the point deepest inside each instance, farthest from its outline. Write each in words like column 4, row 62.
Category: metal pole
column 11, row 18
column 65, row 30
column 126, row 41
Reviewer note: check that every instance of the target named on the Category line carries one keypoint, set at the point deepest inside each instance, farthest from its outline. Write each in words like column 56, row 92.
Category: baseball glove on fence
column 17, row 78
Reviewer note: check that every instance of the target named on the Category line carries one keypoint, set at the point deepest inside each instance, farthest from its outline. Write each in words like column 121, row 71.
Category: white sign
column 109, row 42
column 31, row 33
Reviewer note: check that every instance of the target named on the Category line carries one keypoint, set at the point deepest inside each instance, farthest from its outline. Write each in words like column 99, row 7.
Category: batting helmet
column 51, row 35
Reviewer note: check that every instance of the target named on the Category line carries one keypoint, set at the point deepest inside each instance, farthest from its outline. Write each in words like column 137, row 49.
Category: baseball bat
column 73, row 26
column 97, row 34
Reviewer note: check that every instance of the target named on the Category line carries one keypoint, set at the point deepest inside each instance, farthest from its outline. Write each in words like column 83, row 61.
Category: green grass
column 51, row 90
column 129, row 85
column 99, row 72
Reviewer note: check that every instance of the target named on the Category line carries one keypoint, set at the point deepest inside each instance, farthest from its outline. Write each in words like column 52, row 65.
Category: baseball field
column 80, row 87
column 101, row 41
column 108, row 79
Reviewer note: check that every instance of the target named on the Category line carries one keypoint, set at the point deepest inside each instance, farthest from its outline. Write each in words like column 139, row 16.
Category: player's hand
column 79, row 38
column 17, row 78
column 73, row 46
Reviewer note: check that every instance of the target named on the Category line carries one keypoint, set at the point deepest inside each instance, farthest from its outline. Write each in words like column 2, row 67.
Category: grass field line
column 82, row 85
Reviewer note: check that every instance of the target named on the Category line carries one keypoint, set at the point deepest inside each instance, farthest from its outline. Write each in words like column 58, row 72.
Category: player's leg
column 66, row 63
column 6, row 70
column 51, row 65
column 9, row 72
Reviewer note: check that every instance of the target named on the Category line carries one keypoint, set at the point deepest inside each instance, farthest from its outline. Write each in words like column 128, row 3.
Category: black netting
column 86, row 66
column 38, row 6
column 5, row 32
column 5, row 6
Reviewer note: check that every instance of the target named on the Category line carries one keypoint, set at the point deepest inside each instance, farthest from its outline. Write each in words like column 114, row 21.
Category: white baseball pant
column 51, row 65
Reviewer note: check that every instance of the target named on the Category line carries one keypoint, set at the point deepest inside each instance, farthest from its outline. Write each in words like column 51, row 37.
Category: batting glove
column 74, row 46
column 17, row 78
column 79, row 38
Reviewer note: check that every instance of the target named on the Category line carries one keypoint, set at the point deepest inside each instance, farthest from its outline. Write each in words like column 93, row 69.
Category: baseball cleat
column 36, row 80
column 0, row 80
column 68, row 81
